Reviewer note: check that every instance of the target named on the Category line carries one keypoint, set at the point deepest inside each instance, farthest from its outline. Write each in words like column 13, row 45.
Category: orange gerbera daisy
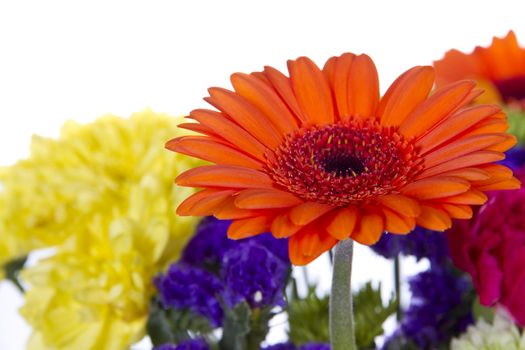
column 318, row 157
column 500, row 70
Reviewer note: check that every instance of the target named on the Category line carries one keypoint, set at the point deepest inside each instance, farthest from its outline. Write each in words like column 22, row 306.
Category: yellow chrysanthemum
column 88, row 171
column 103, row 195
column 94, row 293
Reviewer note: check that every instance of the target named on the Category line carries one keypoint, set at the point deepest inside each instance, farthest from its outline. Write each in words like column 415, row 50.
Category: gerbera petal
column 283, row 227
column 397, row 224
column 265, row 199
column 496, row 173
column 436, row 187
column 458, row 211
column 341, row 224
column 469, row 160
column 456, row 66
column 266, row 100
column 246, row 115
column 203, row 202
column 282, row 85
column 363, row 87
column 263, row 78
column 230, row 131
column 371, row 226
column 496, row 169
column 224, row 176
column 198, row 128
column 400, row 204
column 340, row 83
column 245, row 228
column 505, row 50
column 488, row 126
column 455, row 125
column 308, row 211
column 470, row 197
column 469, row 174
column 461, row 147
column 471, row 96
column 433, row 218
column 405, row 94
column 309, row 244
column 329, row 70
column 507, row 184
column 227, row 210
column 436, row 108
column 311, row 88
column 207, row 149
column 509, row 142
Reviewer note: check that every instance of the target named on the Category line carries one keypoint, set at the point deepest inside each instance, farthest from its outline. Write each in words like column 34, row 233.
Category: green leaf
column 370, row 314
column 245, row 328
column 174, row 326
column 516, row 120
column 236, row 327
column 308, row 317
column 12, row 271
column 480, row 311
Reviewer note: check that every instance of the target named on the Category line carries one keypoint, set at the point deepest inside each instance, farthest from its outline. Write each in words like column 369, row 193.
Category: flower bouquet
column 286, row 167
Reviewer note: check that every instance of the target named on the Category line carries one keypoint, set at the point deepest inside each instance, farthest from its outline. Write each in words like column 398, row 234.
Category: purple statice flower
column 291, row 346
column 439, row 308
column 279, row 247
column 515, row 158
column 192, row 288
column 253, row 273
column 166, row 346
column 208, row 245
column 191, row 344
column 421, row 243
column 280, row 346
column 315, row 346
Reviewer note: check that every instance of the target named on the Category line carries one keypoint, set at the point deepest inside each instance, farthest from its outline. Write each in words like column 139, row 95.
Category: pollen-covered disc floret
column 344, row 163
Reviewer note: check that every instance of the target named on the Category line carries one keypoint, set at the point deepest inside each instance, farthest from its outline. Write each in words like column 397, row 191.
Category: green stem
column 342, row 333
column 397, row 286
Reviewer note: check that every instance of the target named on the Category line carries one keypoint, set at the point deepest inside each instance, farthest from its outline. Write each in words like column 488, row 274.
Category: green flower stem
column 397, row 286
column 342, row 333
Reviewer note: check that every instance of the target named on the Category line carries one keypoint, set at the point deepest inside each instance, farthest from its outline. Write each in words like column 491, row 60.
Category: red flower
column 491, row 248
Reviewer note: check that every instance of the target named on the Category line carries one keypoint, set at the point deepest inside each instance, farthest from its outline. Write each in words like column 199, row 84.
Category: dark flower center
column 511, row 90
column 343, row 163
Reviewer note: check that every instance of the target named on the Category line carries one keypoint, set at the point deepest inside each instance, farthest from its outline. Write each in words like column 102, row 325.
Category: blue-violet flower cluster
column 307, row 346
column 192, row 344
column 438, row 309
column 215, row 272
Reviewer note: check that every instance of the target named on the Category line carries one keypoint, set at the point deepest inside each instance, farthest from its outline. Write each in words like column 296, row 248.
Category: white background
column 77, row 60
